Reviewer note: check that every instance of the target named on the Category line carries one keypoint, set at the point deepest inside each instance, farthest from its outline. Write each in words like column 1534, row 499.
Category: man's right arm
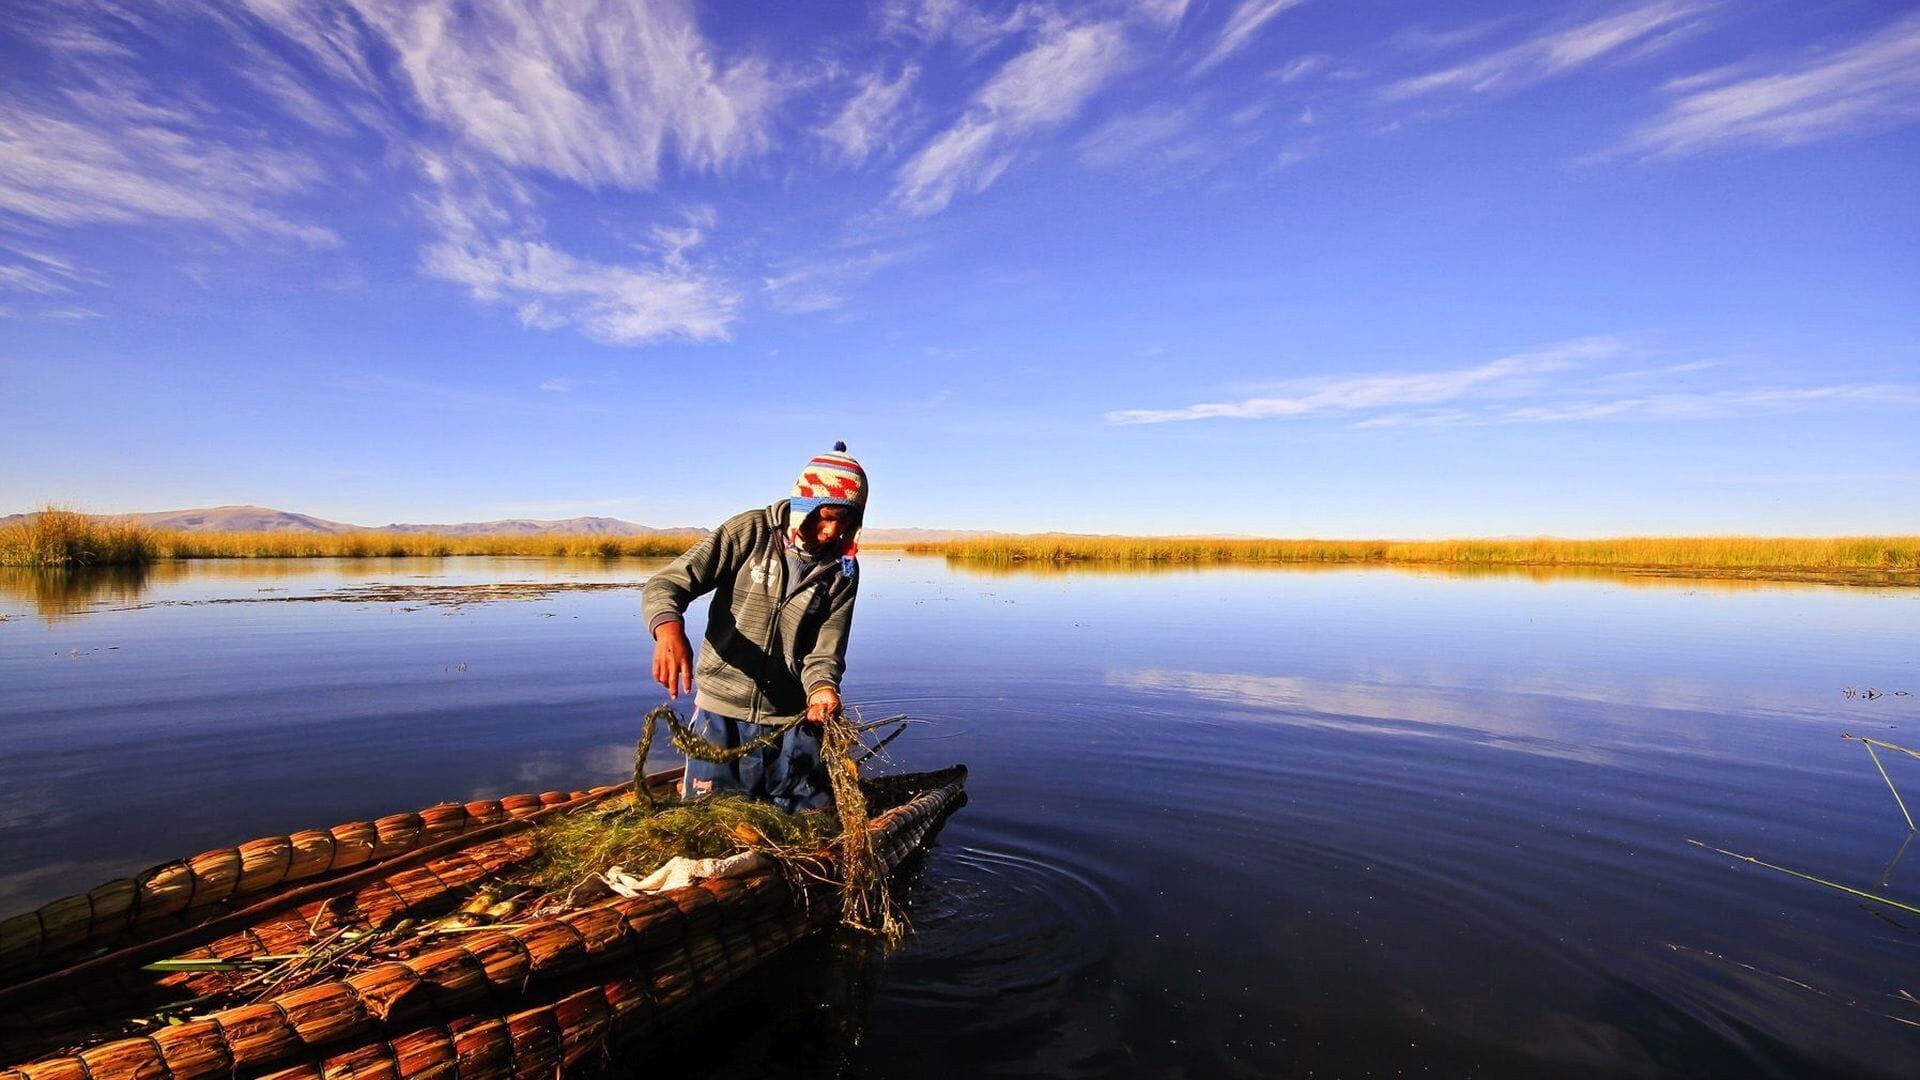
column 664, row 600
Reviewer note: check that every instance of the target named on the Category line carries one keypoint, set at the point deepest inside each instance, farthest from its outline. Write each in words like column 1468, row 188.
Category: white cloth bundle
column 680, row 872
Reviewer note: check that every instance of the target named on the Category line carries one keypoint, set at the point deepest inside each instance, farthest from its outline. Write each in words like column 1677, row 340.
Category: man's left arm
column 820, row 672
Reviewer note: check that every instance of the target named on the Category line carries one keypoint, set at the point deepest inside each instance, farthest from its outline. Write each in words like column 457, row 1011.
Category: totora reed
column 1704, row 554
column 64, row 538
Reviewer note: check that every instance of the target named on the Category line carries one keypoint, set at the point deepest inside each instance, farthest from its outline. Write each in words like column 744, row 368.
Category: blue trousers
column 788, row 774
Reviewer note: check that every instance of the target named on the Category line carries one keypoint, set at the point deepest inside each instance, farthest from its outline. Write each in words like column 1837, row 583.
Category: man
column 783, row 581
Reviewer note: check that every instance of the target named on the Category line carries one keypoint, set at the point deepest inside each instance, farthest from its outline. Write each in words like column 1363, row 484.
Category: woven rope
column 694, row 745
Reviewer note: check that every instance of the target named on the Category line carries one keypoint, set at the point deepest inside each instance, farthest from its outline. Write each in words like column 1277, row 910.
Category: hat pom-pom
column 839, row 447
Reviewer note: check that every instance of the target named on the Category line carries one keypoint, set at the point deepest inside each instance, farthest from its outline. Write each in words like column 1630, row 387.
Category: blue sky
column 1291, row 267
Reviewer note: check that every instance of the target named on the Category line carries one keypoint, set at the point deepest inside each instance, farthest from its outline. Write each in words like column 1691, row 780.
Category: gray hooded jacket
column 769, row 643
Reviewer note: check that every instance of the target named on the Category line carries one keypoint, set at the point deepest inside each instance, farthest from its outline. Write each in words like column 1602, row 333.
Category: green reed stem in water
column 1809, row 877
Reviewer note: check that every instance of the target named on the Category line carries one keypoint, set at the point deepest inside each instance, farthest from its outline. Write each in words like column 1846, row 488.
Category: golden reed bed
column 1706, row 553
column 65, row 538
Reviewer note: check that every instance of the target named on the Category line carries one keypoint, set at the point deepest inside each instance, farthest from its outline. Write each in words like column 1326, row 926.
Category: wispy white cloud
column 869, row 119
column 1299, row 67
column 1126, row 137
column 1710, row 405
column 92, row 157
column 964, row 22
column 1555, row 385
column 500, row 259
column 1667, row 371
column 822, row 283
column 1041, row 88
column 1506, row 377
column 91, row 140
column 298, row 98
column 54, row 266
column 27, row 279
column 593, row 91
column 556, row 386
column 599, row 93
column 1293, row 154
column 1557, row 52
column 1423, row 418
column 1245, row 21
column 1167, row 13
column 331, row 33
column 1874, row 81
column 1423, row 38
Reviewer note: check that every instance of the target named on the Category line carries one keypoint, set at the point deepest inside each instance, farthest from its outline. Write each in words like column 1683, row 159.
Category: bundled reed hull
column 178, row 894
column 537, row 997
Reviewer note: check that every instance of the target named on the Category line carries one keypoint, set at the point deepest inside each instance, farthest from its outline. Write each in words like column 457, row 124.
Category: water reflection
column 56, row 593
column 60, row 593
column 1531, row 725
column 1547, row 714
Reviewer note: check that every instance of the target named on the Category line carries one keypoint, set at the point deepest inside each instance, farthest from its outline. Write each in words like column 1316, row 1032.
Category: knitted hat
column 830, row 479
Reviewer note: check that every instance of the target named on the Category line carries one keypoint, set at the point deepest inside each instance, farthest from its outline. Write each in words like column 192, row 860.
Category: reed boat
column 139, row 978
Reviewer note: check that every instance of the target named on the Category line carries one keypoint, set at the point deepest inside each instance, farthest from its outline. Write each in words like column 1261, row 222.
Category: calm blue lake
column 1222, row 822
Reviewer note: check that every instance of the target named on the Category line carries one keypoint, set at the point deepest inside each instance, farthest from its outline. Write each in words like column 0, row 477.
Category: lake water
column 1222, row 823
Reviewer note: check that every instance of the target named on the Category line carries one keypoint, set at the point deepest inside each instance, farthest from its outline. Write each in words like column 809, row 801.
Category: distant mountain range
column 265, row 519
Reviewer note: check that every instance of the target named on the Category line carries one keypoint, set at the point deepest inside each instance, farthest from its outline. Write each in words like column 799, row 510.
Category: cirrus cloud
column 1557, row 51
column 1873, row 81
column 1554, row 385
column 1507, row 376
column 1041, row 88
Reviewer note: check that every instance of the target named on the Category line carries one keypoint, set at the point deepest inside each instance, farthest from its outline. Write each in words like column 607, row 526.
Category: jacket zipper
column 773, row 629
column 766, row 647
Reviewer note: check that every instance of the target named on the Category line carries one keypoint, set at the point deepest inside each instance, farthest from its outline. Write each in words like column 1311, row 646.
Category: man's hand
column 823, row 705
column 672, row 659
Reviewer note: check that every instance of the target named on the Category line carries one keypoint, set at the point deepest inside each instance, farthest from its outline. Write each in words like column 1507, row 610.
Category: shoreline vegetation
column 1888, row 559
column 64, row 538
column 57, row 538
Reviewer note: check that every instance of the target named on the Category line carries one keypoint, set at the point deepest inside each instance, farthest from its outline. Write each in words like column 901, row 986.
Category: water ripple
column 993, row 923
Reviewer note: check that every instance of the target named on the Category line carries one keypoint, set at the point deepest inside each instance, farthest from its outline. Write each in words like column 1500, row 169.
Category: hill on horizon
column 262, row 519
column 268, row 520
